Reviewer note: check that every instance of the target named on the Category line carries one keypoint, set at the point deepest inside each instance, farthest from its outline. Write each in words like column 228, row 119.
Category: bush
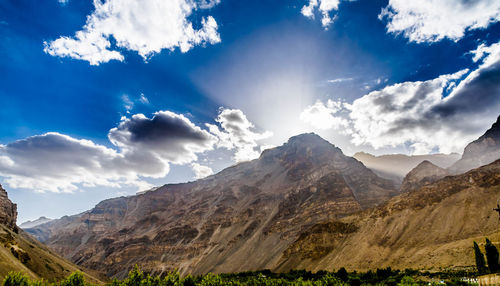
column 16, row 279
column 75, row 279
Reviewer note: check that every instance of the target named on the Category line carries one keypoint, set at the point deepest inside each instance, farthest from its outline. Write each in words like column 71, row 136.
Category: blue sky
column 101, row 99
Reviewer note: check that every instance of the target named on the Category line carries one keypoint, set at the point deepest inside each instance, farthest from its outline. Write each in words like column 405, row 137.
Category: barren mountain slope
column 242, row 218
column 429, row 228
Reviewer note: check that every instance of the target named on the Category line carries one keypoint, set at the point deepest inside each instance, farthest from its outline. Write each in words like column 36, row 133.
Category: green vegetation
column 491, row 256
column 380, row 277
column 480, row 262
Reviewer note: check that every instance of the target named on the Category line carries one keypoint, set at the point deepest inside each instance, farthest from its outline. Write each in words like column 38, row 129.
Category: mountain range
column 301, row 205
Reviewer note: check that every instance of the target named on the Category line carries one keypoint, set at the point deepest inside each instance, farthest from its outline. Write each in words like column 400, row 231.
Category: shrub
column 75, row 279
column 16, row 279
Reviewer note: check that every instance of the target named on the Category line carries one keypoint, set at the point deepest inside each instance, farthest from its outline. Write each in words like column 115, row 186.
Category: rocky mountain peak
column 493, row 132
column 8, row 210
column 482, row 151
column 308, row 147
column 423, row 174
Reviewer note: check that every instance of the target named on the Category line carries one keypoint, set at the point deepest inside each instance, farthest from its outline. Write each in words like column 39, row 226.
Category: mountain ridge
column 240, row 218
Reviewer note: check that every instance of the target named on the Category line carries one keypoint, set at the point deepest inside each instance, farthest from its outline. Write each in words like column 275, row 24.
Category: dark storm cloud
column 164, row 128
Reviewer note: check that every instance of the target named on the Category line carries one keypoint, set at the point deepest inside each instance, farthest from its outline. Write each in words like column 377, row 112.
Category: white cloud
column 201, row 171
column 143, row 99
column 441, row 114
column 56, row 162
column 145, row 147
column 325, row 7
column 434, row 20
column 127, row 103
column 146, row 27
column 376, row 116
column 237, row 134
column 141, row 148
column 339, row 80
column 321, row 116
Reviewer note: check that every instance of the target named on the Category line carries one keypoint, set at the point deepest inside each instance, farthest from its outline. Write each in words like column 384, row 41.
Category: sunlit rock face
column 482, row 151
column 424, row 174
column 8, row 210
column 243, row 218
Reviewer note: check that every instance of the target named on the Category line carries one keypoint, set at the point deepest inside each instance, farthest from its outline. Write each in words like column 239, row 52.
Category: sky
column 106, row 98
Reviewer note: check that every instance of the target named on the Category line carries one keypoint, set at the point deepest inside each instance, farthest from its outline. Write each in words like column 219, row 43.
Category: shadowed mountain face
column 424, row 174
column 396, row 166
column 482, row 151
column 245, row 217
column 8, row 210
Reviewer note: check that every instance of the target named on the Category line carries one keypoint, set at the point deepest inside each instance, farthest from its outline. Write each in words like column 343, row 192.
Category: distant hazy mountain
column 423, row 174
column 482, row 151
column 245, row 217
column 22, row 253
column 39, row 221
column 396, row 166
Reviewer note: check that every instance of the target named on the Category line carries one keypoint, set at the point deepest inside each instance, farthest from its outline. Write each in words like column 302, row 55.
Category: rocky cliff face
column 482, row 151
column 245, row 217
column 424, row 174
column 8, row 210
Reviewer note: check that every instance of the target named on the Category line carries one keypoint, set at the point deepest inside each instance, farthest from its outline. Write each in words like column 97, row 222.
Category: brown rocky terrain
column 423, row 174
column 430, row 228
column 22, row 253
column 482, row 151
column 396, row 166
column 301, row 205
column 245, row 217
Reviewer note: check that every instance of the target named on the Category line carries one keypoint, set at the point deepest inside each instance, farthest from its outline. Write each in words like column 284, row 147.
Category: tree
column 491, row 256
column 480, row 262
column 342, row 274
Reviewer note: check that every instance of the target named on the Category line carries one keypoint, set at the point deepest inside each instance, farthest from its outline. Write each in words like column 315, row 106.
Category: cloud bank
column 434, row 20
column 146, row 27
column 141, row 148
column 441, row 114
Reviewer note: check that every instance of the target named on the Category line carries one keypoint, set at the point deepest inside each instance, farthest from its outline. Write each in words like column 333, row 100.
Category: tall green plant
column 480, row 262
column 492, row 256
